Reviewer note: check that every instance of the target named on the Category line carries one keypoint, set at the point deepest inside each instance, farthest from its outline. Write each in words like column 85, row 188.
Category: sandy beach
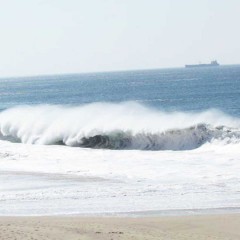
column 76, row 228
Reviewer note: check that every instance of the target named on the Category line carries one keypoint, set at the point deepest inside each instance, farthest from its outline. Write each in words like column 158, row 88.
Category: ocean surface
column 154, row 141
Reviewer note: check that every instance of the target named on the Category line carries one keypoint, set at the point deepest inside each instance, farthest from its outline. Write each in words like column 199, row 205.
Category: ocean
column 164, row 141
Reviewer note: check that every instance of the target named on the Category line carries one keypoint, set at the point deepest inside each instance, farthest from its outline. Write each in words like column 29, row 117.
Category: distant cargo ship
column 212, row 64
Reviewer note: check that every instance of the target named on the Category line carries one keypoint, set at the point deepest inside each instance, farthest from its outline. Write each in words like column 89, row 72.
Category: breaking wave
column 117, row 126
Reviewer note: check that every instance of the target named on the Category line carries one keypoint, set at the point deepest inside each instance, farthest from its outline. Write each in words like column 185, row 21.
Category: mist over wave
column 116, row 126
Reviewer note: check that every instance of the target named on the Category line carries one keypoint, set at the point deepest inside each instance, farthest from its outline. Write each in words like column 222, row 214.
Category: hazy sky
column 71, row 36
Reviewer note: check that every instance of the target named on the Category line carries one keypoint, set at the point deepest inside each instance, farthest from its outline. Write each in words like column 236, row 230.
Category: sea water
column 153, row 141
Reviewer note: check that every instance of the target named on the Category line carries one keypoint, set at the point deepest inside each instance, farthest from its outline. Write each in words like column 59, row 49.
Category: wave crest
column 179, row 139
column 116, row 126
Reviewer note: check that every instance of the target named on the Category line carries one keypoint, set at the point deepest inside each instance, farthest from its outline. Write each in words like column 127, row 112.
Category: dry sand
column 188, row 227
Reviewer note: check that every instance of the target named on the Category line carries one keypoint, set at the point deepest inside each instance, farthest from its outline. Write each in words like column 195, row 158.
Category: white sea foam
column 116, row 126
column 38, row 179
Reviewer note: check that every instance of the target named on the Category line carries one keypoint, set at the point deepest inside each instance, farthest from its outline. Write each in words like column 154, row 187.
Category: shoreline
column 53, row 206
column 218, row 227
column 138, row 214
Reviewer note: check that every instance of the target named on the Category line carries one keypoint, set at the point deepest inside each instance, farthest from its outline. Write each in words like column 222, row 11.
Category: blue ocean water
column 166, row 89
column 156, row 140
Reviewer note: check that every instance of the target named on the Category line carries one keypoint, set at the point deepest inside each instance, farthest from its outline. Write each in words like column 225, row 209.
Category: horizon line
column 97, row 72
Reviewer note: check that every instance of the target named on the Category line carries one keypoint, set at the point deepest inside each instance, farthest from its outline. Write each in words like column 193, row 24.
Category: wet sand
column 200, row 227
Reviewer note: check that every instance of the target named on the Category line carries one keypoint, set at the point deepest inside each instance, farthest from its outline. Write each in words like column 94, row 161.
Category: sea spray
column 126, row 125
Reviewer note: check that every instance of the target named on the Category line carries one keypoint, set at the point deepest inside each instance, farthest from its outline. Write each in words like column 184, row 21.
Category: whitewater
column 125, row 147
column 116, row 126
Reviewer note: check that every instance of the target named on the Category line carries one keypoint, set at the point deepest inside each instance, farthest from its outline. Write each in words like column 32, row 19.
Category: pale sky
column 74, row 36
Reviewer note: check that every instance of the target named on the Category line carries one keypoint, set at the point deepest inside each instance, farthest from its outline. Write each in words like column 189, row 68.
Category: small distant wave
column 116, row 126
